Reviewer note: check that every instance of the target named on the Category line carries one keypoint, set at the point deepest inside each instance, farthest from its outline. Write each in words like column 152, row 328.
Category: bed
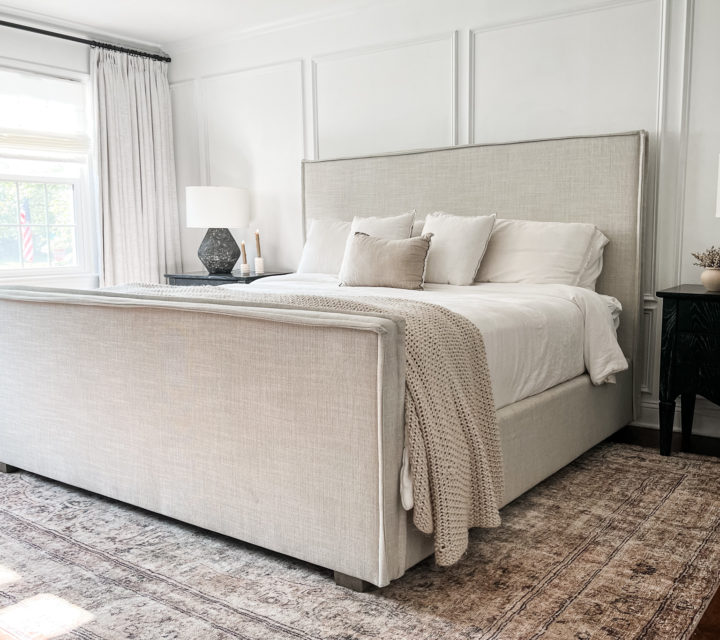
column 283, row 427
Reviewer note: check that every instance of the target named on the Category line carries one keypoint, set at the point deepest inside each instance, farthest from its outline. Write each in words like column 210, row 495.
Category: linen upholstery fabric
column 392, row 228
column 537, row 252
column 376, row 262
column 592, row 179
column 257, row 475
column 227, row 476
column 138, row 201
column 142, row 420
column 458, row 245
column 325, row 247
column 450, row 426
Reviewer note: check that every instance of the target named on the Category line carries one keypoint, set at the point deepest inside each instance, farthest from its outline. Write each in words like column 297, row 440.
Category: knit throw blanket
column 451, row 432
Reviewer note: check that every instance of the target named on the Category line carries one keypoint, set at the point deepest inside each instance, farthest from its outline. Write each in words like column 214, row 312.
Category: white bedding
column 536, row 335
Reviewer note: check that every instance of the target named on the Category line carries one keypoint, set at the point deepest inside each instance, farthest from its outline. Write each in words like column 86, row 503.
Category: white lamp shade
column 217, row 207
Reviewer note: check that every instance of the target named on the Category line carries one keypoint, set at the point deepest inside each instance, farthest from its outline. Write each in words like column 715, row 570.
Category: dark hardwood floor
column 709, row 627
column 650, row 438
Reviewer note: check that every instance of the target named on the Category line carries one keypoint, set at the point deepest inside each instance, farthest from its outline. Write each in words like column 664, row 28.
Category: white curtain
column 138, row 200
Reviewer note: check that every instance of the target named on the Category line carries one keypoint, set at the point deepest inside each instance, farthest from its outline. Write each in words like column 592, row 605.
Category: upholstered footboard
column 279, row 427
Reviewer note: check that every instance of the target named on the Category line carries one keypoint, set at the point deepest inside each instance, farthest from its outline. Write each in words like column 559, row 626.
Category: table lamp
column 216, row 209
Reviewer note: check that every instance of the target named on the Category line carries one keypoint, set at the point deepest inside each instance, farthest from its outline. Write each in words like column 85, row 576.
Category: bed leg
column 6, row 468
column 354, row 584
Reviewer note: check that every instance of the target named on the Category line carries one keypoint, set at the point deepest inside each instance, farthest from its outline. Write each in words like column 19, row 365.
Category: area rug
column 621, row 544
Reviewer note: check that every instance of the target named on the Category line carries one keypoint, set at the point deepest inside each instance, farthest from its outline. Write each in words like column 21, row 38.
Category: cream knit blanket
column 451, row 431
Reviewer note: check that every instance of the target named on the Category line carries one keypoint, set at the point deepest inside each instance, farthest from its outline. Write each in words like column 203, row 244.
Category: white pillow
column 393, row 228
column 594, row 261
column 325, row 246
column 536, row 252
column 458, row 245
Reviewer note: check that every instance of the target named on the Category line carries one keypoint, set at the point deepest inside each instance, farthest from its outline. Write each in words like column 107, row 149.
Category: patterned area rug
column 620, row 544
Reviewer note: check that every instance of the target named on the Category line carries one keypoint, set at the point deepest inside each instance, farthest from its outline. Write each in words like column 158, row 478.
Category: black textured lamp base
column 218, row 251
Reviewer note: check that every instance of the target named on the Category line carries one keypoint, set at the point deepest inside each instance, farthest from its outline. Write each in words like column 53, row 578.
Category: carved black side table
column 690, row 356
column 204, row 278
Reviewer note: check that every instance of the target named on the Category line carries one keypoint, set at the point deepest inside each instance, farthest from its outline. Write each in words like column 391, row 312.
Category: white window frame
column 83, row 251
column 86, row 220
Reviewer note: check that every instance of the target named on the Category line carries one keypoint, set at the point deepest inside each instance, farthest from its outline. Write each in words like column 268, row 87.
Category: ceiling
column 160, row 22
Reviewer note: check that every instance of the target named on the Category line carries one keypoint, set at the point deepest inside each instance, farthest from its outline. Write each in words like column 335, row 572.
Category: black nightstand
column 203, row 278
column 690, row 356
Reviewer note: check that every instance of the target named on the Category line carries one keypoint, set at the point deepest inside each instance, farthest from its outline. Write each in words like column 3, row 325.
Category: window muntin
column 38, row 224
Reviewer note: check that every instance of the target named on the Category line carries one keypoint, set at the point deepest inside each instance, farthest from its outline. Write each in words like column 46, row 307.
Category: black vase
column 218, row 251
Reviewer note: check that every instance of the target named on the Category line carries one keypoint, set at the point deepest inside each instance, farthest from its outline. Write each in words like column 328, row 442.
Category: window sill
column 71, row 280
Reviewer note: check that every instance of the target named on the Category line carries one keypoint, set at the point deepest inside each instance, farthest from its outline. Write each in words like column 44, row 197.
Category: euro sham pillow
column 392, row 228
column 325, row 247
column 378, row 262
column 536, row 252
column 458, row 246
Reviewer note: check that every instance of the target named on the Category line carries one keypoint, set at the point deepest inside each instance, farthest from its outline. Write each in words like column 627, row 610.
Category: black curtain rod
column 92, row 43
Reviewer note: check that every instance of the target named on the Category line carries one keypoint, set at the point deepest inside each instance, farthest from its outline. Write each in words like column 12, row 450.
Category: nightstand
column 214, row 279
column 689, row 357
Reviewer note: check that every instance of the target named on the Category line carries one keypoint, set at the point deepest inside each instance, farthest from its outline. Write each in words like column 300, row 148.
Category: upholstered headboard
column 597, row 179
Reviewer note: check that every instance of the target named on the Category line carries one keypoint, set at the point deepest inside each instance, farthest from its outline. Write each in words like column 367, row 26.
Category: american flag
column 28, row 249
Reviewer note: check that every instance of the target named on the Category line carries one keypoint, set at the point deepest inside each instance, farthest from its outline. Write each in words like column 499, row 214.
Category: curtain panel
column 136, row 166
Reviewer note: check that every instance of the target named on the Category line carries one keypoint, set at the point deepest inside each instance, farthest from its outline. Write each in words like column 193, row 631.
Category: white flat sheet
column 536, row 336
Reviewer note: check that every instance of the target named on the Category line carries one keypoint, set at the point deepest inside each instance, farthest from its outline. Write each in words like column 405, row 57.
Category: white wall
column 23, row 48
column 419, row 73
column 400, row 75
column 31, row 52
column 696, row 223
column 700, row 227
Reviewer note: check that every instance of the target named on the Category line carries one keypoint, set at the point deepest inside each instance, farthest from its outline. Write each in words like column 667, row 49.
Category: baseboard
column 649, row 437
column 706, row 422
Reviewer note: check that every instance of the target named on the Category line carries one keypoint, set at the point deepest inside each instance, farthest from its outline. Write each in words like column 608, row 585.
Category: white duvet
column 536, row 335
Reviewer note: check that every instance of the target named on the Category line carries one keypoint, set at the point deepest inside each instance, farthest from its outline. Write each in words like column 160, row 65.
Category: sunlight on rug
column 41, row 617
column 7, row 576
column 621, row 544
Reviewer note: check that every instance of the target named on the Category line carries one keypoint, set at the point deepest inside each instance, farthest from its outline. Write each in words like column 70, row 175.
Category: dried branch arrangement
column 710, row 259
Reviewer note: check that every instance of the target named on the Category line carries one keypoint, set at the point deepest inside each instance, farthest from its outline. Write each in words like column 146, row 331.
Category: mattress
column 536, row 336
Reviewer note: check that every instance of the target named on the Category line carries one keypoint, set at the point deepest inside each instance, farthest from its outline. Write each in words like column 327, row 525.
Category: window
column 45, row 226
column 37, row 224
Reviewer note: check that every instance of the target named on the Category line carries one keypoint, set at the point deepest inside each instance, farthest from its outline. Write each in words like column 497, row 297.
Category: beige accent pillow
column 376, row 262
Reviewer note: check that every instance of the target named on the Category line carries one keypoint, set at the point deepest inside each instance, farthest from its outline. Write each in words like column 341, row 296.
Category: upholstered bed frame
column 284, row 427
